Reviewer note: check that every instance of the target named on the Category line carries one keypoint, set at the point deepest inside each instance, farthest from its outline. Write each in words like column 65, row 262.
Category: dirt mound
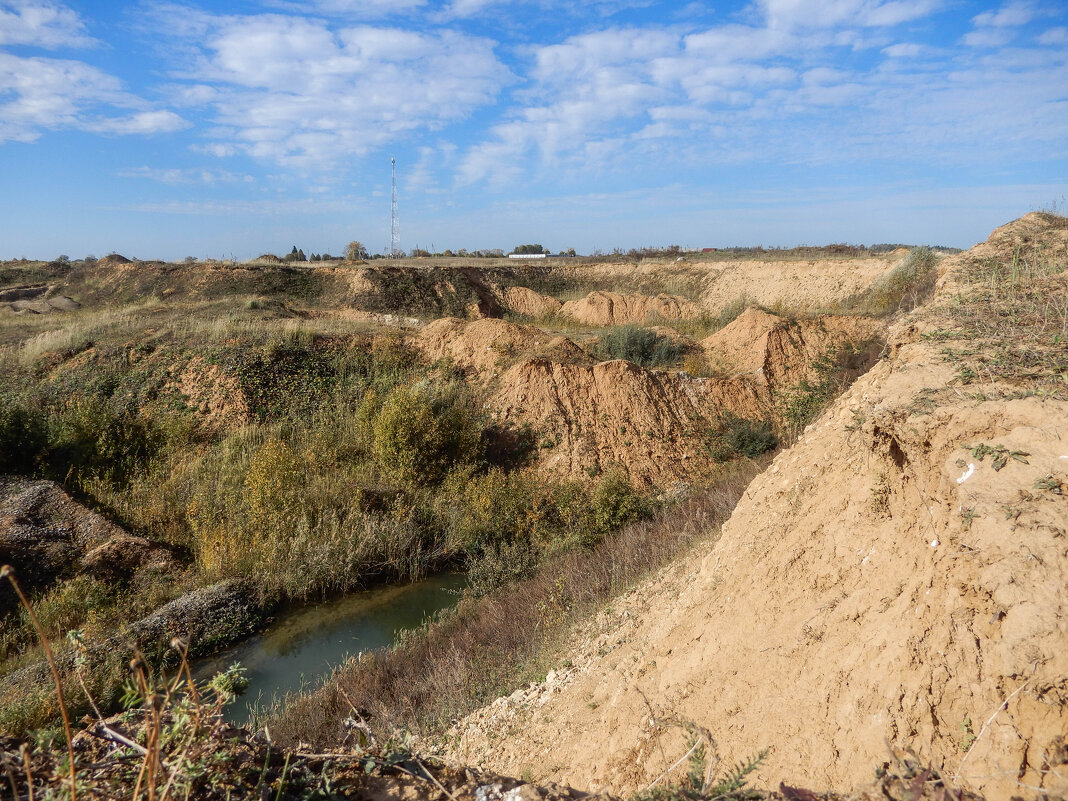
column 894, row 579
column 778, row 351
column 612, row 308
column 483, row 346
column 800, row 286
column 616, row 414
column 215, row 395
column 44, row 532
column 269, row 258
column 36, row 299
column 525, row 301
column 1030, row 242
column 112, row 260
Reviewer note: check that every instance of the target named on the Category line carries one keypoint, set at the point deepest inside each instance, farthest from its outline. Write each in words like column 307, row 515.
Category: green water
column 302, row 647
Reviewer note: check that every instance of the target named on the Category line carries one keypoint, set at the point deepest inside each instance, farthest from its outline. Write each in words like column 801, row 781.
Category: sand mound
column 778, row 351
column 112, row 260
column 616, row 414
column 482, row 346
column 887, row 580
column 525, row 301
column 612, row 308
column 1034, row 239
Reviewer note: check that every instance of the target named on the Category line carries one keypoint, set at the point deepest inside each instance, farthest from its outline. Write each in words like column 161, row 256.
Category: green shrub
column 497, row 565
column 616, row 502
column 640, row 345
column 421, row 432
column 828, row 377
column 90, row 439
column 736, row 436
column 23, row 439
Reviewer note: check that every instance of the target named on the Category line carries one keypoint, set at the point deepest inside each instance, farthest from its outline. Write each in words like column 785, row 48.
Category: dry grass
column 489, row 646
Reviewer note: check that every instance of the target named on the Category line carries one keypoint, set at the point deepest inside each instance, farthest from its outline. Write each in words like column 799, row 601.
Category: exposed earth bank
column 896, row 580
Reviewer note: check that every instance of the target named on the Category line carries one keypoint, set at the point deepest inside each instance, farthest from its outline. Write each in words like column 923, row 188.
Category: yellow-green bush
column 419, row 433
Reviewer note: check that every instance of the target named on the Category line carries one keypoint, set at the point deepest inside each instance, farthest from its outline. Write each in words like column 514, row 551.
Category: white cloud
column 1054, row 36
column 185, row 176
column 1008, row 16
column 988, row 37
column 41, row 24
column 904, row 50
column 619, row 100
column 143, row 122
column 297, row 91
column 37, row 94
column 790, row 14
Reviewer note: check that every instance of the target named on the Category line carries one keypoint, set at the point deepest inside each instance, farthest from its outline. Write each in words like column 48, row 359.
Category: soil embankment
column 894, row 581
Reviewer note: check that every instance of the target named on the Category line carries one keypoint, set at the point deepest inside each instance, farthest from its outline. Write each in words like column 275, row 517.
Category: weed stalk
column 8, row 572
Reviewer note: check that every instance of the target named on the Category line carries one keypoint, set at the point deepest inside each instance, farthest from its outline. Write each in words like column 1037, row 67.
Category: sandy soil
column 880, row 587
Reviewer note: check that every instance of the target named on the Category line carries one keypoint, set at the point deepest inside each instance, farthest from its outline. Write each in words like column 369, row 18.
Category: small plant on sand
column 701, row 759
column 642, row 346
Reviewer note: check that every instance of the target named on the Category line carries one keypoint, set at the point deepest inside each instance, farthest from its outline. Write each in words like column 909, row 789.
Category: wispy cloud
column 302, row 92
column 176, row 177
column 778, row 91
column 37, row 94
column 1010, row 15
column 42, row 24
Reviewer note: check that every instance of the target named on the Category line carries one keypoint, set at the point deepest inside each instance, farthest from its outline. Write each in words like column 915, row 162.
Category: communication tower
column 394, row 228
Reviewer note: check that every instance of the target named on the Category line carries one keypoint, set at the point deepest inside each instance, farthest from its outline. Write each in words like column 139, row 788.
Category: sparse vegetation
column 902, row 289
column 439, row 673
column 830, row 374
column 642, row 346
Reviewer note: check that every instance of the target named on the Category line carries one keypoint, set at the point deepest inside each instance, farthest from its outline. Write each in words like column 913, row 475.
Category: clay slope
column 777, row 351
column 612, row 308
column 482, row 346
column 897, row 578
column 616, row 414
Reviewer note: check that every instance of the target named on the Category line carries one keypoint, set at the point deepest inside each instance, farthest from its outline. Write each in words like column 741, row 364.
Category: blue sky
column 173, row 129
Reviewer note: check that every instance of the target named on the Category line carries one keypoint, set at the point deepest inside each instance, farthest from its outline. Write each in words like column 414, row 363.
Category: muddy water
column 301, row 648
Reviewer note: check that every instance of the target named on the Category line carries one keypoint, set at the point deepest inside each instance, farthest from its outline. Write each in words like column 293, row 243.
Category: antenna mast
column 394, row 229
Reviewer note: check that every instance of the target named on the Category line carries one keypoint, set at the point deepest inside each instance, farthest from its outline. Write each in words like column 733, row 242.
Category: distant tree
column 62, row 259
column 418, row 253
column 301, row 256
column 190, row 259
column 355, row 251
column 90, row 259
column 526, row 250
column 293, row 255
column 325, row 257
